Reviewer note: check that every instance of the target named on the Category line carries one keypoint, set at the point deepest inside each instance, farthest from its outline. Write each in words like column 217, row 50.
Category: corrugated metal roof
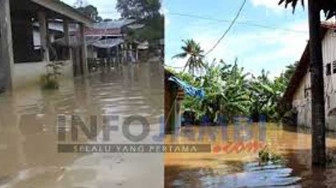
column 115, row 24
column 107, row 43
column 111, row 28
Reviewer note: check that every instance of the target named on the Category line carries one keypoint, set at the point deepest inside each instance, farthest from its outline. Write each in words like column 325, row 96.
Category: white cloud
column 271, row 50
column 272, row 4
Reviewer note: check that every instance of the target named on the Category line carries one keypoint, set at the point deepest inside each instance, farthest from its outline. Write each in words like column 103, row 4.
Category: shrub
column 266, row 155
column 48, row 82
column 50, row 79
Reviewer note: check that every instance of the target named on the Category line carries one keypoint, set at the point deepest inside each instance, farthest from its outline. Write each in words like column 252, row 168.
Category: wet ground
column 233, row 166
column 28, row 131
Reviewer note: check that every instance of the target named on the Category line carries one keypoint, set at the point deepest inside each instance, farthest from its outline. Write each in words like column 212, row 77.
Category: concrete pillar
column 44, row 35
column 84, row 50
column 125, row 49
column 117, row 53
column 66, row 36
column 136, row 53
column 6, row 47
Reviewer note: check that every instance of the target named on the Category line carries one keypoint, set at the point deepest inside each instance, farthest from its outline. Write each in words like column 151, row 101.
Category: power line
column 237, row 22
column 228, row 29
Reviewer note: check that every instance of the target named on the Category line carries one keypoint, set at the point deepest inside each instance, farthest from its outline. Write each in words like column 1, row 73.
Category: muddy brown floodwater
column 28, row 131
column 229, row 168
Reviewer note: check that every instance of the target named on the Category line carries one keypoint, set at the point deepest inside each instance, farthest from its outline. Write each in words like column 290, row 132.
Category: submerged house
column 111, row 41
column 298, row 93
column 172, row 103
column 22, row 61
column 175, row 91
column 109, row 36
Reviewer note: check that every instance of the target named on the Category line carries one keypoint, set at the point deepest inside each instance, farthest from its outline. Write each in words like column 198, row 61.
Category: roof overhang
column 65, row 10
column 303, row 66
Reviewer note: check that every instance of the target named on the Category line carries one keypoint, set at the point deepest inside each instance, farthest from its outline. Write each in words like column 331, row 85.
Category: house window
column 306, row 92
column 334, row 67
column 328, row 71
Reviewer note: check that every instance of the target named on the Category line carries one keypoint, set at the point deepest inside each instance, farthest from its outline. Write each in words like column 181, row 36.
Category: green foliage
column 229, row 92
column 50, row 79
column 146, row 12
column 48, row 82
column 266, row 155
column 328, row 6
column 265, row 95
column 194, row 54
column 152, row 31
column 91, row 12
column 139, row 9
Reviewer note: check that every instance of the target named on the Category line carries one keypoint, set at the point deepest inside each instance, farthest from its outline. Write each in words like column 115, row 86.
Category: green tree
column 152, row 31
column 194, row 54
column 139, row 9
column 146, row 12
column 91, row 12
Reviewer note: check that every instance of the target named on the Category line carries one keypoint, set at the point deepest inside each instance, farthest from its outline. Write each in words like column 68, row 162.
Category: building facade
column 298, row 92
column 21, row 61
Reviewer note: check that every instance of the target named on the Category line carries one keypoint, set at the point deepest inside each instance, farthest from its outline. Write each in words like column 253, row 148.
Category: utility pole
column 317, row 85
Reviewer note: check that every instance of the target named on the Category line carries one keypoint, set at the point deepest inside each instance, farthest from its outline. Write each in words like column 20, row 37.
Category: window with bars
column 306, row 92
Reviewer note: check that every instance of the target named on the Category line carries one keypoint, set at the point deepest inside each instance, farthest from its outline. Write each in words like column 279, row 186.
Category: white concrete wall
column 25, row 74
column 329, row 56
column 302, row 104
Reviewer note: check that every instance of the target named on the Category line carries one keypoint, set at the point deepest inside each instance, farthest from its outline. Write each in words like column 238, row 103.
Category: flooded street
column 238, row 166
column 28, row 131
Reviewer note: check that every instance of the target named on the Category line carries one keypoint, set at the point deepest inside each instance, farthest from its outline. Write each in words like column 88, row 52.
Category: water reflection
column 28, row 133
column 254, row 175
column 240, row 169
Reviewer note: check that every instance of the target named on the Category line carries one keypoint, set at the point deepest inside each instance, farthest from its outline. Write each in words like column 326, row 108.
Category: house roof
column 115, row 24
column 303, row 66
column 111, row 28
column 108, row 43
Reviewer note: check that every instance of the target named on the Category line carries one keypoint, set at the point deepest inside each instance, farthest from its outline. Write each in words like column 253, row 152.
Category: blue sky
column 256, row 48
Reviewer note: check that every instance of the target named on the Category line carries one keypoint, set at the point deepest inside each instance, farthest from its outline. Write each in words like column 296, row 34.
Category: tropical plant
column 50, row 79
column 194, row 54
column 266, row 155
column 229, row 92
column 328, row 6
